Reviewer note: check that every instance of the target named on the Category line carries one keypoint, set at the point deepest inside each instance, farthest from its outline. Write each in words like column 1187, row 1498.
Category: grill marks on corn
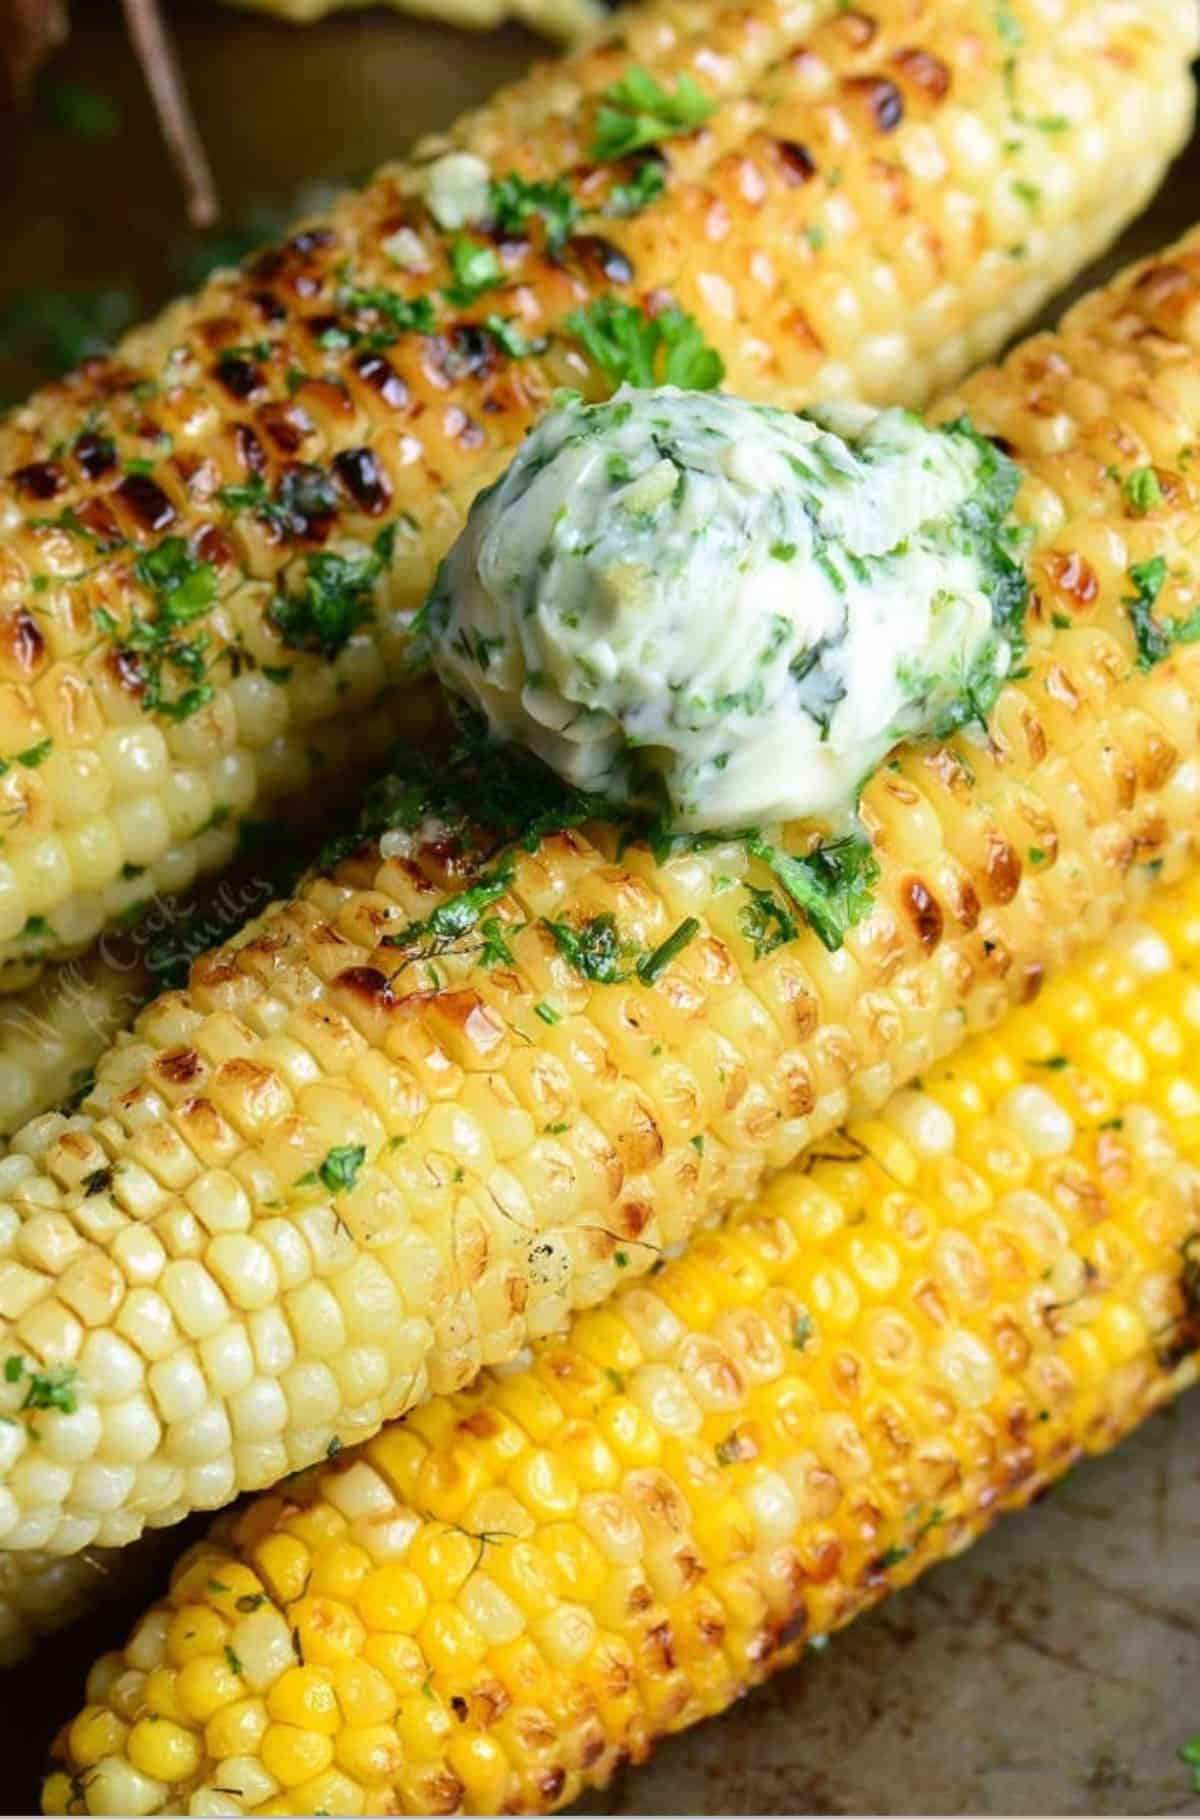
column 325, row 357
column 493, row 1605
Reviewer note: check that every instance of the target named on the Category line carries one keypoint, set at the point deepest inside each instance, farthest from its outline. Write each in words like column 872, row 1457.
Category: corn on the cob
column 495, row 1602
column 338, row 1173
column 213, row 543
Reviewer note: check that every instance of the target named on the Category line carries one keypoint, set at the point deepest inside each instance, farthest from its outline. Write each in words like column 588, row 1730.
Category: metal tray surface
column 1055, row 1669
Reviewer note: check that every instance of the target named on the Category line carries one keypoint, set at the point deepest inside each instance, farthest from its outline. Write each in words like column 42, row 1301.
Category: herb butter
column 730, row 612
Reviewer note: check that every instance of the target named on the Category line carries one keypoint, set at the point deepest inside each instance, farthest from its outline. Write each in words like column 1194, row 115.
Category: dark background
column 1056, row 1668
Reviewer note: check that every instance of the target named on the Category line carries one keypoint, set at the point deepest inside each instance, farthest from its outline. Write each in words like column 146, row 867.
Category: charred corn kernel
column 831, row 1455
column 339, row 463
column 272, row 1275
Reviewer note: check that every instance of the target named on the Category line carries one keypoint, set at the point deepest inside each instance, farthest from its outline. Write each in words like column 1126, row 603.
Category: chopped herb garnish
column 802, row 1332
column 832, row 884
column 766, row 922
column 513, row 203
column 636, row 349
column 339, row 1172
column 183, row 588
column 595, row 950
column 337, row 597
column 55, row 1387
column 31, row 758
column 1155, row 638
column 547, row 1013
column 644, row 187
column 1142, row 491
column 476, row 267
column 232, row 1657
column 657, row 962
column 638, row 111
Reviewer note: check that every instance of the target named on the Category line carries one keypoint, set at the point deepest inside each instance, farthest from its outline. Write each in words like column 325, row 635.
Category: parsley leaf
column 339, row 1171
column 640, row 350
column 766, row 922
column 832, row 884
column 639, row 111
column 336, row 599
column 54, row 1388
column 183, row 588
column 513, row 203
column 460, row 913
column 402, row 315
column 1142, row 491
column 1155, row 638
column 644, row 187
column 595, row 950
column 476, row 267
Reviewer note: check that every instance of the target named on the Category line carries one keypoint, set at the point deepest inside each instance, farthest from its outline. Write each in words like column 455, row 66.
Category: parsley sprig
column 633, row 348
column 1155, row 638
column 336, row 597
column 639, row 111
column 183, row 588
column 513, row 204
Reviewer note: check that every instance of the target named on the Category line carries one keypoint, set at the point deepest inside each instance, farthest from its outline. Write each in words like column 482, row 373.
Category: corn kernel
column 164, row 1750
column 292, row 1753
column 304, row 1697
column 392, row 1598
column 327, row 1631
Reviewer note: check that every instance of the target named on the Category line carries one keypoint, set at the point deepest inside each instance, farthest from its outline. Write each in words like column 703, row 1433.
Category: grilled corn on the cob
column 494, row 1603
column 212, row 544
column 366, row 1151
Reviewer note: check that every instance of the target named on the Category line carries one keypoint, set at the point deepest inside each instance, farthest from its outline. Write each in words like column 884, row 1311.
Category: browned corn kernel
column 494, row 1603
column 336, row 1173
column 214, row 542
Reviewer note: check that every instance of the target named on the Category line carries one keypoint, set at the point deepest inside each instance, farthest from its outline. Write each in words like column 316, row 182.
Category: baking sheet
column 1053, row 1670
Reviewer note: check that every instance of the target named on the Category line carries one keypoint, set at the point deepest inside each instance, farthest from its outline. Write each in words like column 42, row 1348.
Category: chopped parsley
column 802, row 1332
column 1142, row 490
column 595, row 950
column 459, row 914
column 337, row 597
column 638, row 111
column 55, row 1387
column 513, row 204
column 476, row 268
column 396, row 315
column 1155, row 638
column 339, row 1172
column 646, row 185
column 766, row 922
column 183, row 588
column 833, row 884
column 633, row 348
column 31, row 758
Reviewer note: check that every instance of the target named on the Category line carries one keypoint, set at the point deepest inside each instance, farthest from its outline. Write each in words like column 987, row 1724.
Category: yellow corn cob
column 497, row 1601
column 880, row 196
column 334, row 1175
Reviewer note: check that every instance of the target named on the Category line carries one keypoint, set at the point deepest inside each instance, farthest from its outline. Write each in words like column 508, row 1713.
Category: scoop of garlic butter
column 681, row 595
